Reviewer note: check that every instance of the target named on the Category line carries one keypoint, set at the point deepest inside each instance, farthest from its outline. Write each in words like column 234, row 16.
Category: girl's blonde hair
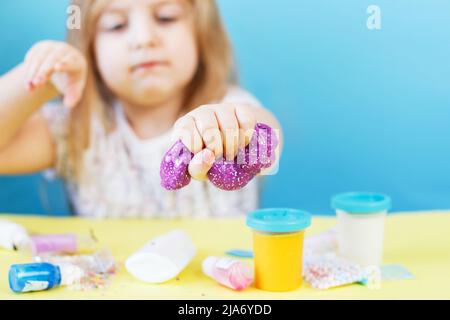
column 209, row 84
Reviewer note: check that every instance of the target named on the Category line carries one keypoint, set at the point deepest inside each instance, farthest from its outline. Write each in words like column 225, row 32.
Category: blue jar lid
column 361, row 202
column 278, row 220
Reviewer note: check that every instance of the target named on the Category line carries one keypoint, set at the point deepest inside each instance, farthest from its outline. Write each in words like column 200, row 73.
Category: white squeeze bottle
column 229, row 272
column 162, row 258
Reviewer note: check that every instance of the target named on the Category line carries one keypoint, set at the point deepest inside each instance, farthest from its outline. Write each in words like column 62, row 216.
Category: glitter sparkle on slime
column 278, row 247
column 226, row 175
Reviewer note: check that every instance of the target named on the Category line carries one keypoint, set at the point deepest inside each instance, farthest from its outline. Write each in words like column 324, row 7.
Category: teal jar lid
column 361, row 202
column 278, row 220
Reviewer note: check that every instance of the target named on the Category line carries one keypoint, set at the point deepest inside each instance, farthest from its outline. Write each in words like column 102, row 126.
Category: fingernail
column 208, row 156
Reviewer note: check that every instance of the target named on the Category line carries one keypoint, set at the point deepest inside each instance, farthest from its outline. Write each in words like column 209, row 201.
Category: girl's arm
column 50, row 68
column 25, row 142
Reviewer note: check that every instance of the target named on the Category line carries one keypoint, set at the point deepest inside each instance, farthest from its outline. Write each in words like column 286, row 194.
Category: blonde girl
column 102, row 108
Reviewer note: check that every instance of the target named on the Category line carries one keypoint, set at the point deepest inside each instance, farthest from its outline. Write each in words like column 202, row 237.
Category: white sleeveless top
column 121, row 174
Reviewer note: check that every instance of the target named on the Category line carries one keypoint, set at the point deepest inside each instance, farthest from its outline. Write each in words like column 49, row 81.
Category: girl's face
column 146, row 50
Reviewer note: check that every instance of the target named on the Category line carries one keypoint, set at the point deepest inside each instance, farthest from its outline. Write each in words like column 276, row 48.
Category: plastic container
column 229, row 272
column 162, row 258
column 278, row 235
column 361, row 217
column 67, row 243
column 42, row 276
column 101, row 262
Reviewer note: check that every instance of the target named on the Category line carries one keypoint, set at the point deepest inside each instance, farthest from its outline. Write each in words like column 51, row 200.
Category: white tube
column 162, row 258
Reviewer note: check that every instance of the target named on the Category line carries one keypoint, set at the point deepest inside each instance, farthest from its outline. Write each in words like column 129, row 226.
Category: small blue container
column 33, row 277
column 361, row 217
column 278, row 220
column 361, row 202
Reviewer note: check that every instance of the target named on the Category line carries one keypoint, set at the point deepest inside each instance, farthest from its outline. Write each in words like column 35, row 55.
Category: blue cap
column 278, row 220
column 361, row 202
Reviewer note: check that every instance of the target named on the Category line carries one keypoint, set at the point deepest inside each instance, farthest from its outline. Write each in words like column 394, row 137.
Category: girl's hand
column 211, row 131
column 58, row 64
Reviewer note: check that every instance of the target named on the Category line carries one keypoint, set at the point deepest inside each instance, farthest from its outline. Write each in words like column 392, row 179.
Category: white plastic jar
column 361, row 217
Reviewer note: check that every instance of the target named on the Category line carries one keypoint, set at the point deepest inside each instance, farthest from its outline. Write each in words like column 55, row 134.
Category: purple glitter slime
column 174, row 167
column 225, row 175
column 258, row 154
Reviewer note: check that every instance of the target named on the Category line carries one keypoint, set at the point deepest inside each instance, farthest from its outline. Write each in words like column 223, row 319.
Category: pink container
column 56, row 243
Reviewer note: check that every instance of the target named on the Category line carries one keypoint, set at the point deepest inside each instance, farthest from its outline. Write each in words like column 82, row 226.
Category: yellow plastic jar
column 278, row 247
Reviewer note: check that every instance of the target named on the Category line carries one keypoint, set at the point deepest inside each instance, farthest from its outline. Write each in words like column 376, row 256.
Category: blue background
column 361, row 109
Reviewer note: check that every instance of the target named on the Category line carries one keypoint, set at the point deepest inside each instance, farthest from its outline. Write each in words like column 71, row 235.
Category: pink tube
column 57, row 243
column 228, row 272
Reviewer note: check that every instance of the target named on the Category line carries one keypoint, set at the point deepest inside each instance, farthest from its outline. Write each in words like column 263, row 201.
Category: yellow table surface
column 419, row 241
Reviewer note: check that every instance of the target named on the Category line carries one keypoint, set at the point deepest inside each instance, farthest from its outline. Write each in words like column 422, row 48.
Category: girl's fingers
column 33, row 64
column 70, row 63
column 229, row 127
column 186, row 131
column 247, row 122
column 200, row 164
column 38, row 48
column 207, row 125
column 49, row 57
column 69, row 77
column 73, row 94
column 47, row 67
column 30, row 54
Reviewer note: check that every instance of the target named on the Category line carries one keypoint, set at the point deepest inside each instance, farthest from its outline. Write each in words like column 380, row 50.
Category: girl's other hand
column 211, row 131
column 58, row 64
